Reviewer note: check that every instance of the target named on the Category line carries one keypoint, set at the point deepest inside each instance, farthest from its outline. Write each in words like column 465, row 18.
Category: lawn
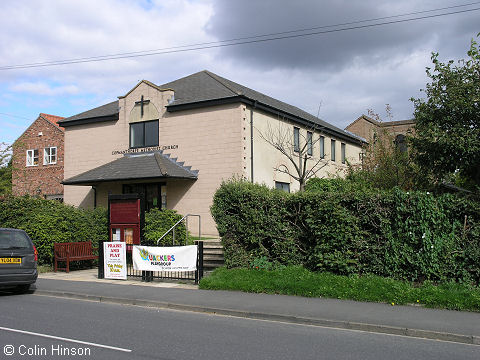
column 298, row 281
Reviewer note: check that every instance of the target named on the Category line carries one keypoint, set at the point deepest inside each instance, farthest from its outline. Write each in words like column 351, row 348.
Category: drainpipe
column 94, row 196
column 254, row 105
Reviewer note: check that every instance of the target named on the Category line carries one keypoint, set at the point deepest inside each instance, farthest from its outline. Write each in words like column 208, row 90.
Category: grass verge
column 301, row 282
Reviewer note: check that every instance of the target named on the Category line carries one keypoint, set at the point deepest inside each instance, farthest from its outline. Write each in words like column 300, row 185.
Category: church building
column 175, row 143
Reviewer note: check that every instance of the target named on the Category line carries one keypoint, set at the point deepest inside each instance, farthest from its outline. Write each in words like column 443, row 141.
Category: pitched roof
column 148, row 165
column 101, row 113
column 204, row 87
column 54, row 119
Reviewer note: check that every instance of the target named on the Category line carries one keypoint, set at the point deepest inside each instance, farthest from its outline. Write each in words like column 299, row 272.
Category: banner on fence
column 174, row 258
column 115, row 260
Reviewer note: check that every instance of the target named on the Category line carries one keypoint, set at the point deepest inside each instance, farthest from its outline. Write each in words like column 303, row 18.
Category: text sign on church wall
column 115, row 260
column 145, row 149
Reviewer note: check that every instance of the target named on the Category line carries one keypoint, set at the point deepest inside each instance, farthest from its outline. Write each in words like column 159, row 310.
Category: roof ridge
column 216, row 78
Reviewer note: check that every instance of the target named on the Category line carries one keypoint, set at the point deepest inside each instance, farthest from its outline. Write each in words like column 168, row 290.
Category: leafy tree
column 5, row 169
column 447, row 129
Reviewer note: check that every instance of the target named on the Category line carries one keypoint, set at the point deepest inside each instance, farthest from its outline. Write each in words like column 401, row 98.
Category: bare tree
column 298, row 149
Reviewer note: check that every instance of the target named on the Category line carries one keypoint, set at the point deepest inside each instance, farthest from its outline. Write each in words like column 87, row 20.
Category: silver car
column 18, row 259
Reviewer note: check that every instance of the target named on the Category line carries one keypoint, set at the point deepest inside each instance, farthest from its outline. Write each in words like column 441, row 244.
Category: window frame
column 332, row 149
column 322, row 146
column 49, row 156
column 309, row 143
column 282, row 186
column 343, row 150
column 296, row 139
column 32, row 156
column 144, row 134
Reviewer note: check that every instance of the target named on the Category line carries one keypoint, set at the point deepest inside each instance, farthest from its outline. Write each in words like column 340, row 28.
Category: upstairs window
column 401, row 142
column 343, row 153
column 144, row 134
column 309, row 143
column 32, row 157
column 332, row 150
column 296, row 139
column 322, row 147
column 50, row 155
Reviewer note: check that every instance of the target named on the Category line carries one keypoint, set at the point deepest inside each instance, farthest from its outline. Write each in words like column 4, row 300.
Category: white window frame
column 322, row 147
column 296, row 139
column 31, row 157
column 309, row 143
column 343, row 149
column 48, row 157
column 332, row 150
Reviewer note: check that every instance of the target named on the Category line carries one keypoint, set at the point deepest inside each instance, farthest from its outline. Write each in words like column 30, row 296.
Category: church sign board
column 115, row 260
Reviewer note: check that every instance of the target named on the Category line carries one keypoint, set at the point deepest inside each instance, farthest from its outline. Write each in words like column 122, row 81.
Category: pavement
column 413, row 321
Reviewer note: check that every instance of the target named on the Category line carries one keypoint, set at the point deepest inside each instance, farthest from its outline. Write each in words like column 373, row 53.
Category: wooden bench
column 73, row 251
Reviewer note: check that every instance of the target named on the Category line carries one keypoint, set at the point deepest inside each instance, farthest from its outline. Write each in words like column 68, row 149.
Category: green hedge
column 158, row 222
column 48, row 222
column 411, row 236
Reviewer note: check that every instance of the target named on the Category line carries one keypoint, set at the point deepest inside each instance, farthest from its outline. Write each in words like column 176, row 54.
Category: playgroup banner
column 174, row 258
column 115, row 262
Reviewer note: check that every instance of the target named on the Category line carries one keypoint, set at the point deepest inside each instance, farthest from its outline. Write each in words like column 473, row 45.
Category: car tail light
column 35, row 252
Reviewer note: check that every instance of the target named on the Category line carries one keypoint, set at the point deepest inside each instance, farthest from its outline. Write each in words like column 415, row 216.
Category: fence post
column 199, row 271
column 101, row 273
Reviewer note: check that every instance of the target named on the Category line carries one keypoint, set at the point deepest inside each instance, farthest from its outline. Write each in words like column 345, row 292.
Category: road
column 110, row 331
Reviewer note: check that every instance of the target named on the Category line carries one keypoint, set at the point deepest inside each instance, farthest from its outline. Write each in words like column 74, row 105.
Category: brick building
column 38, row 159
column 370, row 129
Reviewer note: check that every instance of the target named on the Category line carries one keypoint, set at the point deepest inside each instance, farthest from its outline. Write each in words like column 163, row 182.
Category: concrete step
column 212, row 258
column 213, row 251
column 212, row 245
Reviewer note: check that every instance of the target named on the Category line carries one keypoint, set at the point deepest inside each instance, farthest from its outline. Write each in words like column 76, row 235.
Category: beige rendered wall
column 266, row 157
column 208, row 139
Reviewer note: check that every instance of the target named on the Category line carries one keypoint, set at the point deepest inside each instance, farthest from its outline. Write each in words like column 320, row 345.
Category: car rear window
column 14, row 239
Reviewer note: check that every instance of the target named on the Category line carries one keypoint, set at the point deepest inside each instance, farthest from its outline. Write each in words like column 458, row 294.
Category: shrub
column 48, row 222
column 413, row 236
column 158, row 222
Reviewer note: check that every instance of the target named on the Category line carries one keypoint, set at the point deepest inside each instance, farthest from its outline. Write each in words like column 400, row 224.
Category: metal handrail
column 186, row 226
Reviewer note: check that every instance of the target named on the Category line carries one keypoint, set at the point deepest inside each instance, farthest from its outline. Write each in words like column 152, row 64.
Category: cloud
column 332, row 51
column 346, row 72
column 42, row 88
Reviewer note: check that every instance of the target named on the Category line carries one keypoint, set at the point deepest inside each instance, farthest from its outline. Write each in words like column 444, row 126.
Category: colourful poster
column 115, row 260
column 174, row 258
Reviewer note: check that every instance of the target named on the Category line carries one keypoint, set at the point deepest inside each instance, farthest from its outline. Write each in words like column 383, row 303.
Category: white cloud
column 42, row 88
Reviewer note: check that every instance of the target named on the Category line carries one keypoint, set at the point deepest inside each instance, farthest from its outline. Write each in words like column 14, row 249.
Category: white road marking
column 65, row 339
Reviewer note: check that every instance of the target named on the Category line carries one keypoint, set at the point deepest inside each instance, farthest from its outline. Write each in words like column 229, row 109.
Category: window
column 322, row 147
column 282, row 186
column 296, row 139
column 32, row 157
column 332, row 155
column 343, row 153
column 50, row 155
column 143, row 134
column 401, row 143
column 309, row 143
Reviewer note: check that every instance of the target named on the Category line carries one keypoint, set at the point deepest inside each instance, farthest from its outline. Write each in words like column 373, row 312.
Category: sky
column 337, row 75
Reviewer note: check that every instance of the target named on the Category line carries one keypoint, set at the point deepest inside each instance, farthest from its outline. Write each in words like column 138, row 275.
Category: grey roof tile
column 146, row 165
column 206, row 86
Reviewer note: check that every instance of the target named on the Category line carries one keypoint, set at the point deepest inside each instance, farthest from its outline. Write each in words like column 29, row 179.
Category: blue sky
column 343, row 74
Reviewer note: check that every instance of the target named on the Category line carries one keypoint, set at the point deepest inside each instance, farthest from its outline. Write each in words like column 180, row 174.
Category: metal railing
column 186, row 226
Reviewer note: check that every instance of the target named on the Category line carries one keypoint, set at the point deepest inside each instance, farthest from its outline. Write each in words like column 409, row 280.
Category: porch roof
column 148, row 165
